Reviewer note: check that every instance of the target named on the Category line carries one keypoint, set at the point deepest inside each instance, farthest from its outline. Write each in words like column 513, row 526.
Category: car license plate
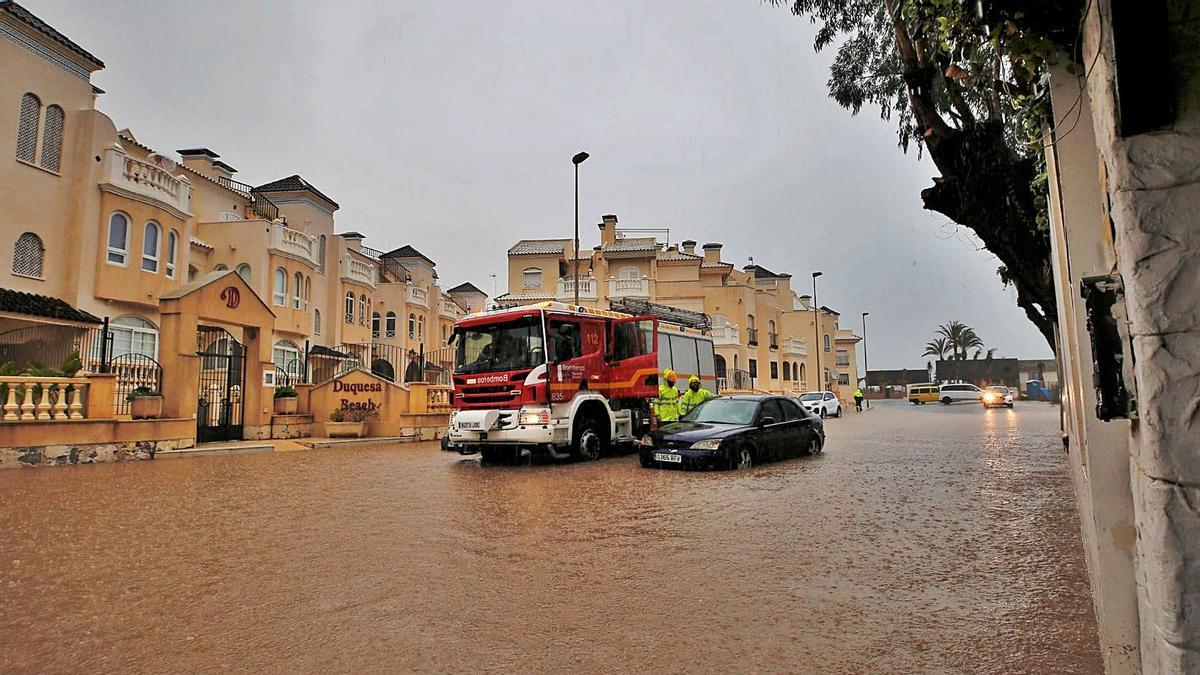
column 667, row 457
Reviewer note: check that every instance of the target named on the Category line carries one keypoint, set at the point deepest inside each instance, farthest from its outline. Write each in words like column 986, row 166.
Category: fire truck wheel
column 588, row 441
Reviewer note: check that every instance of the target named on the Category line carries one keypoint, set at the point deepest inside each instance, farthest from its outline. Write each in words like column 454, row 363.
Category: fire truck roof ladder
column 681, row 317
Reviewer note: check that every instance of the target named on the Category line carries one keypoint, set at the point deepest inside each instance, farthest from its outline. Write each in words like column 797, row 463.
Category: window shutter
column 27, row 128
column 28, row 255
column 52, row 138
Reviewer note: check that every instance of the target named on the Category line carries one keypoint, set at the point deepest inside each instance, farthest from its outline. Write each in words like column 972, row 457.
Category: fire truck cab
column 561, row 379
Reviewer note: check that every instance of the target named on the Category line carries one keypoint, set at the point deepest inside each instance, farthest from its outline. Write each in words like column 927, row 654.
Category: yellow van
column 919, row 394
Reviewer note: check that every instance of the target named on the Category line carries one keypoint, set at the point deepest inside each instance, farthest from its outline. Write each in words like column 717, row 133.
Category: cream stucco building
column 97, row 223
column 763, row 328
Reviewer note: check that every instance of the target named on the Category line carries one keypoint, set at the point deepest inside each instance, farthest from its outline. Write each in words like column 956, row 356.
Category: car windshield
column 724, row 411
column 998, row 390
column 506, row 346
column 812, row 396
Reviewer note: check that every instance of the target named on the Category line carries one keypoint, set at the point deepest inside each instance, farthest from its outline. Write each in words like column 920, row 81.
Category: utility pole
column 817, row 331
column 577, row 160
column 866, row 368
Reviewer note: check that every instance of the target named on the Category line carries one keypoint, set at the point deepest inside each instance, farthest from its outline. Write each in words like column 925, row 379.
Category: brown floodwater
column 925, row 539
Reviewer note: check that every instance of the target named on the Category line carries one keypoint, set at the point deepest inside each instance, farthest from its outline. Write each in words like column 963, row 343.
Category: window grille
column 27, row 127
column 52, row 138
column 28, row 256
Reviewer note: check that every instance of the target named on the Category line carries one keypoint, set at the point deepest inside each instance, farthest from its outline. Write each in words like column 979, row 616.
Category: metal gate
column 222, row 381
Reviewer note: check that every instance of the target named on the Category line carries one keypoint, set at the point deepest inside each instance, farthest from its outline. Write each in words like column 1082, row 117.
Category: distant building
column 981, row 372
column 1045, row 370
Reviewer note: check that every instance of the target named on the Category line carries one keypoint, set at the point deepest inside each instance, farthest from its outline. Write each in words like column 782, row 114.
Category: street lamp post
column 866, row 367
column 577, row 160
column 817, row 331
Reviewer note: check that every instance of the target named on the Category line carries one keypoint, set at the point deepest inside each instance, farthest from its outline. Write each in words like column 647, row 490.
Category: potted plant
column 145, row 403
column 348, row 422
column 286, row 400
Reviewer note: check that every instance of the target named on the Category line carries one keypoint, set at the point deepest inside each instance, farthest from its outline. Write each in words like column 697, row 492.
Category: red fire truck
column 561, row 379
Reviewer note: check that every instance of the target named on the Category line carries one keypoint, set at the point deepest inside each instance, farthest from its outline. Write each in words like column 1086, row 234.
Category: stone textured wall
column 1154, row 192
column 95, row 453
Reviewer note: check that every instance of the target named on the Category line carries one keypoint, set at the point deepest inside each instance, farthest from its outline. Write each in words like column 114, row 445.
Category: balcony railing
column 795, row 346
column 146, row 179
column 773, row 340
column 438, row 398
column 629, row 288
column 261, row 206
column 358, row 271
column 295, row 243
column 565, row 289
column 726, row 335
column 29, row 398
column 415, row 295
column 752, row 337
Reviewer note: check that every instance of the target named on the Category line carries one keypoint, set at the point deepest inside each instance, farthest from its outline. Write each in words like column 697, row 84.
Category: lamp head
column 578, row 159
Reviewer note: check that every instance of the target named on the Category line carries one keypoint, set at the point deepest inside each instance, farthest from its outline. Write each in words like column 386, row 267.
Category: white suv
column 822, row 403
column 953, row 393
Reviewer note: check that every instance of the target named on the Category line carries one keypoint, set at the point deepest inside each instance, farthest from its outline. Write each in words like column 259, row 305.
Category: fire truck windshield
column 504, row 346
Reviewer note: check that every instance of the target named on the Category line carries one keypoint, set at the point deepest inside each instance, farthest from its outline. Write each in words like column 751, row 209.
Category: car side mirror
column 766, row 421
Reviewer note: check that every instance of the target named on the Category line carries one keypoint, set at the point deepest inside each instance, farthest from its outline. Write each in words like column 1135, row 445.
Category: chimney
column 712, row 254
column 353, row 240
column 689, row 247
column 806, row 301
column 608, row 230
column 200, row 160
column 223, row 170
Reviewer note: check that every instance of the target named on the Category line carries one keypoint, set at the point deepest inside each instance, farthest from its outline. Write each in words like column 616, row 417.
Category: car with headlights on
column 997, row 397
column 734, row 432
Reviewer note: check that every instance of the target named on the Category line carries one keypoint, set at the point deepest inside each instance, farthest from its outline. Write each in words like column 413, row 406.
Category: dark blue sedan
column 734, row 432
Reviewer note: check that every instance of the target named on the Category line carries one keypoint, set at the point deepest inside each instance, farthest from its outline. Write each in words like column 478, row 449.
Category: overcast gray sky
column 450, row 126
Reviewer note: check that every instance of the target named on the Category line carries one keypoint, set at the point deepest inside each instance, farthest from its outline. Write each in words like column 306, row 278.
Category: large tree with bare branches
column 967, row 83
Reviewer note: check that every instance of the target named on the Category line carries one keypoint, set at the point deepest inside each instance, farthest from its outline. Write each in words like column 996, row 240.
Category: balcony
column 773, row 340
column 128, row 175
column 795, row 346
column 752, row 337
column 449, row 309
column 727, row 335
column 415, row 295
column 295, row 244
column 565, row 289
column 357, row 271
column 628, row 288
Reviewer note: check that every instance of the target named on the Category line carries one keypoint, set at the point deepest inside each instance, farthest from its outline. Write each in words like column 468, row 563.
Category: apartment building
column 102, row 227
column 766, row 332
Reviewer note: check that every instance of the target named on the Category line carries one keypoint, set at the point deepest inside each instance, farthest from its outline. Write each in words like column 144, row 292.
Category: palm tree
column 961, row 338
column 938, row 347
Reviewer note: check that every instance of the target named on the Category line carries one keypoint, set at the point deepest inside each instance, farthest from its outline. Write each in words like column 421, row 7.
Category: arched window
column 133, row 335
column 172, row 248
column 826, row 342
column 222, row 267
column 28, row 255
column 421, row 327
column 118, row 238
column 27, row 127
column 244, row 272
column 531, row 278
column 321, row 254
column 298, row 290
column 803, row 376
column 349, row 307
column 412, row 326
column 444, row 333
column 771, row 326
column 52, row 138
column 316, row 321
column 629, row 273
column 307, row 291
column 362, row 310
column 375, row 321
column 279, row 294
column 286, row 356
column 750, row 321
column 193, row 272
column 150, row 246
column 389, row 325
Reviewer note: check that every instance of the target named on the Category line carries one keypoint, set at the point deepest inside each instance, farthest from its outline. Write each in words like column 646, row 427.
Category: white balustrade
column 795, row 346
column 357, row 270
column 565, row 289
column 449, row 309
column 415, row 295
column 629, row 288
column 28, row 398
column 146, row 179
column 726, row 335
column 295, row 243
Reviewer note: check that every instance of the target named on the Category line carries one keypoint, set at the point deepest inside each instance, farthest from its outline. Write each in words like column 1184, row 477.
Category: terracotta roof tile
column 540, row 247
column 31, row 304
column 26, row 17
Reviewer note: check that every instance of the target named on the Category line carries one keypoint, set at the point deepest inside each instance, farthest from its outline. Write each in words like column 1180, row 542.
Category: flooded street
column 925, row 539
